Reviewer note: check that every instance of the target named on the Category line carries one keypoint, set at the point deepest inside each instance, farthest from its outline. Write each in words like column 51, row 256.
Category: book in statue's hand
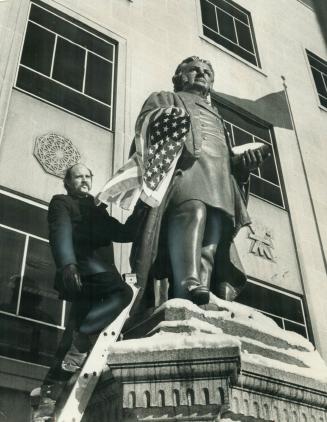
column 239, row 150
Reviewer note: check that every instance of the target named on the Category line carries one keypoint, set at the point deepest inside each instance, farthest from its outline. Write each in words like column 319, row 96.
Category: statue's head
column 194, row 75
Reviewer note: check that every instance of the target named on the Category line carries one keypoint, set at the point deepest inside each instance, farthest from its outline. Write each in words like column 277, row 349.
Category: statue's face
column 197, row 77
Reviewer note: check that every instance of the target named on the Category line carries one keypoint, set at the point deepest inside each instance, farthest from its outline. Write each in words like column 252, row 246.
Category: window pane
column 244, row 122
column 23, row 216
column 27, row 340
column 10, row 267
column 278, row 321
column 317, row 62
column 72, row 32
column 63, row 97
column 241, row 137
column 268, row 170
column 38, row 49
column 300, row 329
column 39, row 300
column 271, row 301
column 209, row 15
column 321, row 88
column 244, row 36
column 324, row 77
column 323, row 101
column 266, row 190
column 98, row 78
column 226, row 25
column 233, row 10
column 69, row 64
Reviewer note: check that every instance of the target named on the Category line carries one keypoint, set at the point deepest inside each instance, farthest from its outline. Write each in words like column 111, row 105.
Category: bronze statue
column 189, row 237
column 195, row 188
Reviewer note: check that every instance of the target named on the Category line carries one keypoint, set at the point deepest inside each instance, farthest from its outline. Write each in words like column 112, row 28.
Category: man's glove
column 71, row 280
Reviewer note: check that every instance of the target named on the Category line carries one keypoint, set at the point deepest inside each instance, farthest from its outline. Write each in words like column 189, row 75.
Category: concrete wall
column 154, row 36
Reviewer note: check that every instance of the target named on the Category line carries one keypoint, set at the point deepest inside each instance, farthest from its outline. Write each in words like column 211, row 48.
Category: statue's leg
column 211, row 239
column 186, row 224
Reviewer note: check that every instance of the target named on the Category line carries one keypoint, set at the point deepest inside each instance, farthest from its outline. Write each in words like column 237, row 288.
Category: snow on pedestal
column 192, row 364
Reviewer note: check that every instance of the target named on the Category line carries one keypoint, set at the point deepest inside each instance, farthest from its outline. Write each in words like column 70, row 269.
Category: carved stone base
column 225, row 363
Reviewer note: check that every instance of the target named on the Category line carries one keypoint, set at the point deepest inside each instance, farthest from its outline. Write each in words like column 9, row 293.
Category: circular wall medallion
column 55, row 153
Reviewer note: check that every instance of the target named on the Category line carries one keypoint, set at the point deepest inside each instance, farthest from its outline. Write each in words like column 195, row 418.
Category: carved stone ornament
column 55, row 153
column 262, row 243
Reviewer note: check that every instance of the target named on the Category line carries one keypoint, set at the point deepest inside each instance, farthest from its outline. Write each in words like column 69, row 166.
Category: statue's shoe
column 200, row 295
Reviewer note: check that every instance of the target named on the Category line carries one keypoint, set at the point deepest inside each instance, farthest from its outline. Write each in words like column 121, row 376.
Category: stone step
column 234, row 319
column 194, row 326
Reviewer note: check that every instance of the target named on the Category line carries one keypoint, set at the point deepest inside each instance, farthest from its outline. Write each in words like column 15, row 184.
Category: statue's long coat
column 149, row 258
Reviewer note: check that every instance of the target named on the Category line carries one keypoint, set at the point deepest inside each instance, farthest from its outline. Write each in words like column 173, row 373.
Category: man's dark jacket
column 82, row 233
column 149, row 258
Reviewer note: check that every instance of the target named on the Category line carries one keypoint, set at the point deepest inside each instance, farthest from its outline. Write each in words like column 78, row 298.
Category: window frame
column 306, row 4
column 283, row 292
column 242, row 112
column 257, row 67
column 29, row 235
column 316, row 93
column 94, row 33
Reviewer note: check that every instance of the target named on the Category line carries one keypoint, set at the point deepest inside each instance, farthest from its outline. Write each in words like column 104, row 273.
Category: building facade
column 74, row 76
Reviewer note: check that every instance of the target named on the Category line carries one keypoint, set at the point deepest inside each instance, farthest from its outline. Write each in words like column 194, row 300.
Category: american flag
column 167, row 136
column 148, row 172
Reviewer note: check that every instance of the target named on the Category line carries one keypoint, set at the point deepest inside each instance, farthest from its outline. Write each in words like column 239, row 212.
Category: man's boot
column 77, row 354
column 43, row 401
column 185, row 235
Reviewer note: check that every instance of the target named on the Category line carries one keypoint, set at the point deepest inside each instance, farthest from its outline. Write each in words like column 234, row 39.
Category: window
column 265, row 181
column 68, row 65
column 308, row 3
column 230, row 26
column 319, row 73
column 284, row 308
column 30, row 312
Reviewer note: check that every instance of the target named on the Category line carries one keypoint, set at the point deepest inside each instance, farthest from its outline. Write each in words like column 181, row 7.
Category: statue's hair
column 68, row 174
column 177, row 78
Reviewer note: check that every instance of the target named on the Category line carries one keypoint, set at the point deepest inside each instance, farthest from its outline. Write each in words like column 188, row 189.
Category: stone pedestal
column 227, row 363
column 185, row 384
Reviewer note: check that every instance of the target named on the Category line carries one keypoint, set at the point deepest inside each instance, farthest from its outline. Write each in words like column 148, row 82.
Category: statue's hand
column 71, row 279
column 252, row 159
